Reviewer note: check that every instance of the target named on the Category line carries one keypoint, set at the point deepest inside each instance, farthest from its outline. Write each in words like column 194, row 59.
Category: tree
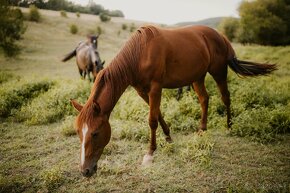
column 265, row 22
column 95, row 8
column 229, row 27
column 11, row 28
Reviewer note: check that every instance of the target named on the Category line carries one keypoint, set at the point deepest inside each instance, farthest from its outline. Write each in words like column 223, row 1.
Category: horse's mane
column 125, row 66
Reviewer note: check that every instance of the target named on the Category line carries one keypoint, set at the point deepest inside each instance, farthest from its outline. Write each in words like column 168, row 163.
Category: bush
column 73, row 29
column 78, row 14
column 54, row 104
column 104, row 17
column 13, row 97
column 34, row 14
column 100, row 30
column 67, row 126
column 229, row 27
column 262, row 124
column 198, row 150
column 124, row 26
column 132, row 27
column 264, row 22
column 63, row 13
column 11, row 29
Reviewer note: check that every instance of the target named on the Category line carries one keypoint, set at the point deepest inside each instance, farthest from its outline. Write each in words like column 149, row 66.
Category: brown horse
column 153, row 59
column 87, row 57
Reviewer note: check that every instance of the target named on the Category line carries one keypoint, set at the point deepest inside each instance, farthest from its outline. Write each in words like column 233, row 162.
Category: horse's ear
column 96, row 106
column 76, row 105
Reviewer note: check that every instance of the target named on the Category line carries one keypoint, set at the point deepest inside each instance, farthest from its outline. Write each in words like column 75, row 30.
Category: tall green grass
column 14, row 94
column 53, row 105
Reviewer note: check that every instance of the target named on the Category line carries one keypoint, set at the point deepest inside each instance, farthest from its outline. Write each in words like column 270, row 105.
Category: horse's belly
column 183, row 74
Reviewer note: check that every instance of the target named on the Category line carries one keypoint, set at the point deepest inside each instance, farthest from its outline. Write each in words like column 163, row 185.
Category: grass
column 39, row 149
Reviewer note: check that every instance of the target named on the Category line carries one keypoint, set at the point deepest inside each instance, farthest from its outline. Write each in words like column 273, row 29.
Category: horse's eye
column 95, row 134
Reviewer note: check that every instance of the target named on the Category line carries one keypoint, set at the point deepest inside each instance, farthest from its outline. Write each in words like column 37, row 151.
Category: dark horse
column 87, row 57
column 152, row 59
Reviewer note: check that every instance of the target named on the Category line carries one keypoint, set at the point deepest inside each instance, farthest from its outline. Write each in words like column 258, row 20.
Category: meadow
column 39, row 149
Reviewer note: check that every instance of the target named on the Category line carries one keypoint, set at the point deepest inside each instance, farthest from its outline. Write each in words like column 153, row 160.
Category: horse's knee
column 153, row 123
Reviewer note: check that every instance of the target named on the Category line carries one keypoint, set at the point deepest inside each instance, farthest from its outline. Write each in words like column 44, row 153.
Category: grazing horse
column 87, row 57
column 152, row 59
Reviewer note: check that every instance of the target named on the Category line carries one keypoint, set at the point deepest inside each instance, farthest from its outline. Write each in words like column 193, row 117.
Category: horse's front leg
column 154, row 104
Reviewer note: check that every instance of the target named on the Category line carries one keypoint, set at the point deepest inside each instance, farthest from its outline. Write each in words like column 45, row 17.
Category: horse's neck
column 111, row 93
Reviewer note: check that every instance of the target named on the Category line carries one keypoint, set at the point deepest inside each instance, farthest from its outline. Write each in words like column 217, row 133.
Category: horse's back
column 83, row 56
column 185, row 54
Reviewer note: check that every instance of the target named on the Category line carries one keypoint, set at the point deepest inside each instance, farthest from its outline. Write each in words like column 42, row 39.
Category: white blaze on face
column 83, row 153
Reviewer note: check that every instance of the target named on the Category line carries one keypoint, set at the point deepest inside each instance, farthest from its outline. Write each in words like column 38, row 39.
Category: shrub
column 54, row 104
column 262, row 124
column 11, row 29
column 229, row 27
column 100, row 30
column 138, row 132
column 67, row 126
column 78, row 14
column 264, row 22
column 73, row 29
column 198, row 150
column 132, row 27
column 63, row 13
column 124, row 26
column 34, row 14
column 13, row 97
column 104, row 17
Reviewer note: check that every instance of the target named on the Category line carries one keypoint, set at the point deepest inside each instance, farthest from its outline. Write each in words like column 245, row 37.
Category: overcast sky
column 170, row 11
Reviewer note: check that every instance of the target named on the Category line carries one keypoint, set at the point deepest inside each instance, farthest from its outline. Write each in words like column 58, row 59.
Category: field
column 39, row 150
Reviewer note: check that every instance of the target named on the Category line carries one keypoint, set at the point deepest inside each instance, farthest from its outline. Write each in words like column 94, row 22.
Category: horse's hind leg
column 88, row 72
column 179, row 93
column 81, row 73
column 163, row 124
column 203, row 98
column 223, row 87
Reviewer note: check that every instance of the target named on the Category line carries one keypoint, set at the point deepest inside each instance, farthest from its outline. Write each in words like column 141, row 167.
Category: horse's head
column 100, row 66
column 93, row 39
column 94, row 131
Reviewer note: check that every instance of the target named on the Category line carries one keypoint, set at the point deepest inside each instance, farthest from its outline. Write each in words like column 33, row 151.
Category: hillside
column 210, row 22
column 40, row 149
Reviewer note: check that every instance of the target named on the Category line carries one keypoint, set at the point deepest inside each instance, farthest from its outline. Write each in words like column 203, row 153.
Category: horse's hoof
column 168, row 139
column 147, row 160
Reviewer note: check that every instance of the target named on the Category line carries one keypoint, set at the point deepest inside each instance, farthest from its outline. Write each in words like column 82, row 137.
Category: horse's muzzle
column 88, row 172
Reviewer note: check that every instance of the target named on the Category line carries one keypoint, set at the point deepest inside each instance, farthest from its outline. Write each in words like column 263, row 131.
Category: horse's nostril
column 86, row 172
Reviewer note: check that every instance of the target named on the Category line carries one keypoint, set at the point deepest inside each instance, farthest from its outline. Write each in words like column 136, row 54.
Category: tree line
column 91, row 8
column 265, row 22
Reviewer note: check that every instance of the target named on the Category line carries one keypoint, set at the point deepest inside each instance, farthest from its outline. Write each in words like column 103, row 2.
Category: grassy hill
column 210, row 22
column 40, row 150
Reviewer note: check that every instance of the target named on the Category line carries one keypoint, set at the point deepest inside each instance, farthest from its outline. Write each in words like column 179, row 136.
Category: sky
column 170, row 11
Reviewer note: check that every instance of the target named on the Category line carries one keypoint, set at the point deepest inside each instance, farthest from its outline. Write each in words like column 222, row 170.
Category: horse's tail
column 69, row 55
column 246, row 68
